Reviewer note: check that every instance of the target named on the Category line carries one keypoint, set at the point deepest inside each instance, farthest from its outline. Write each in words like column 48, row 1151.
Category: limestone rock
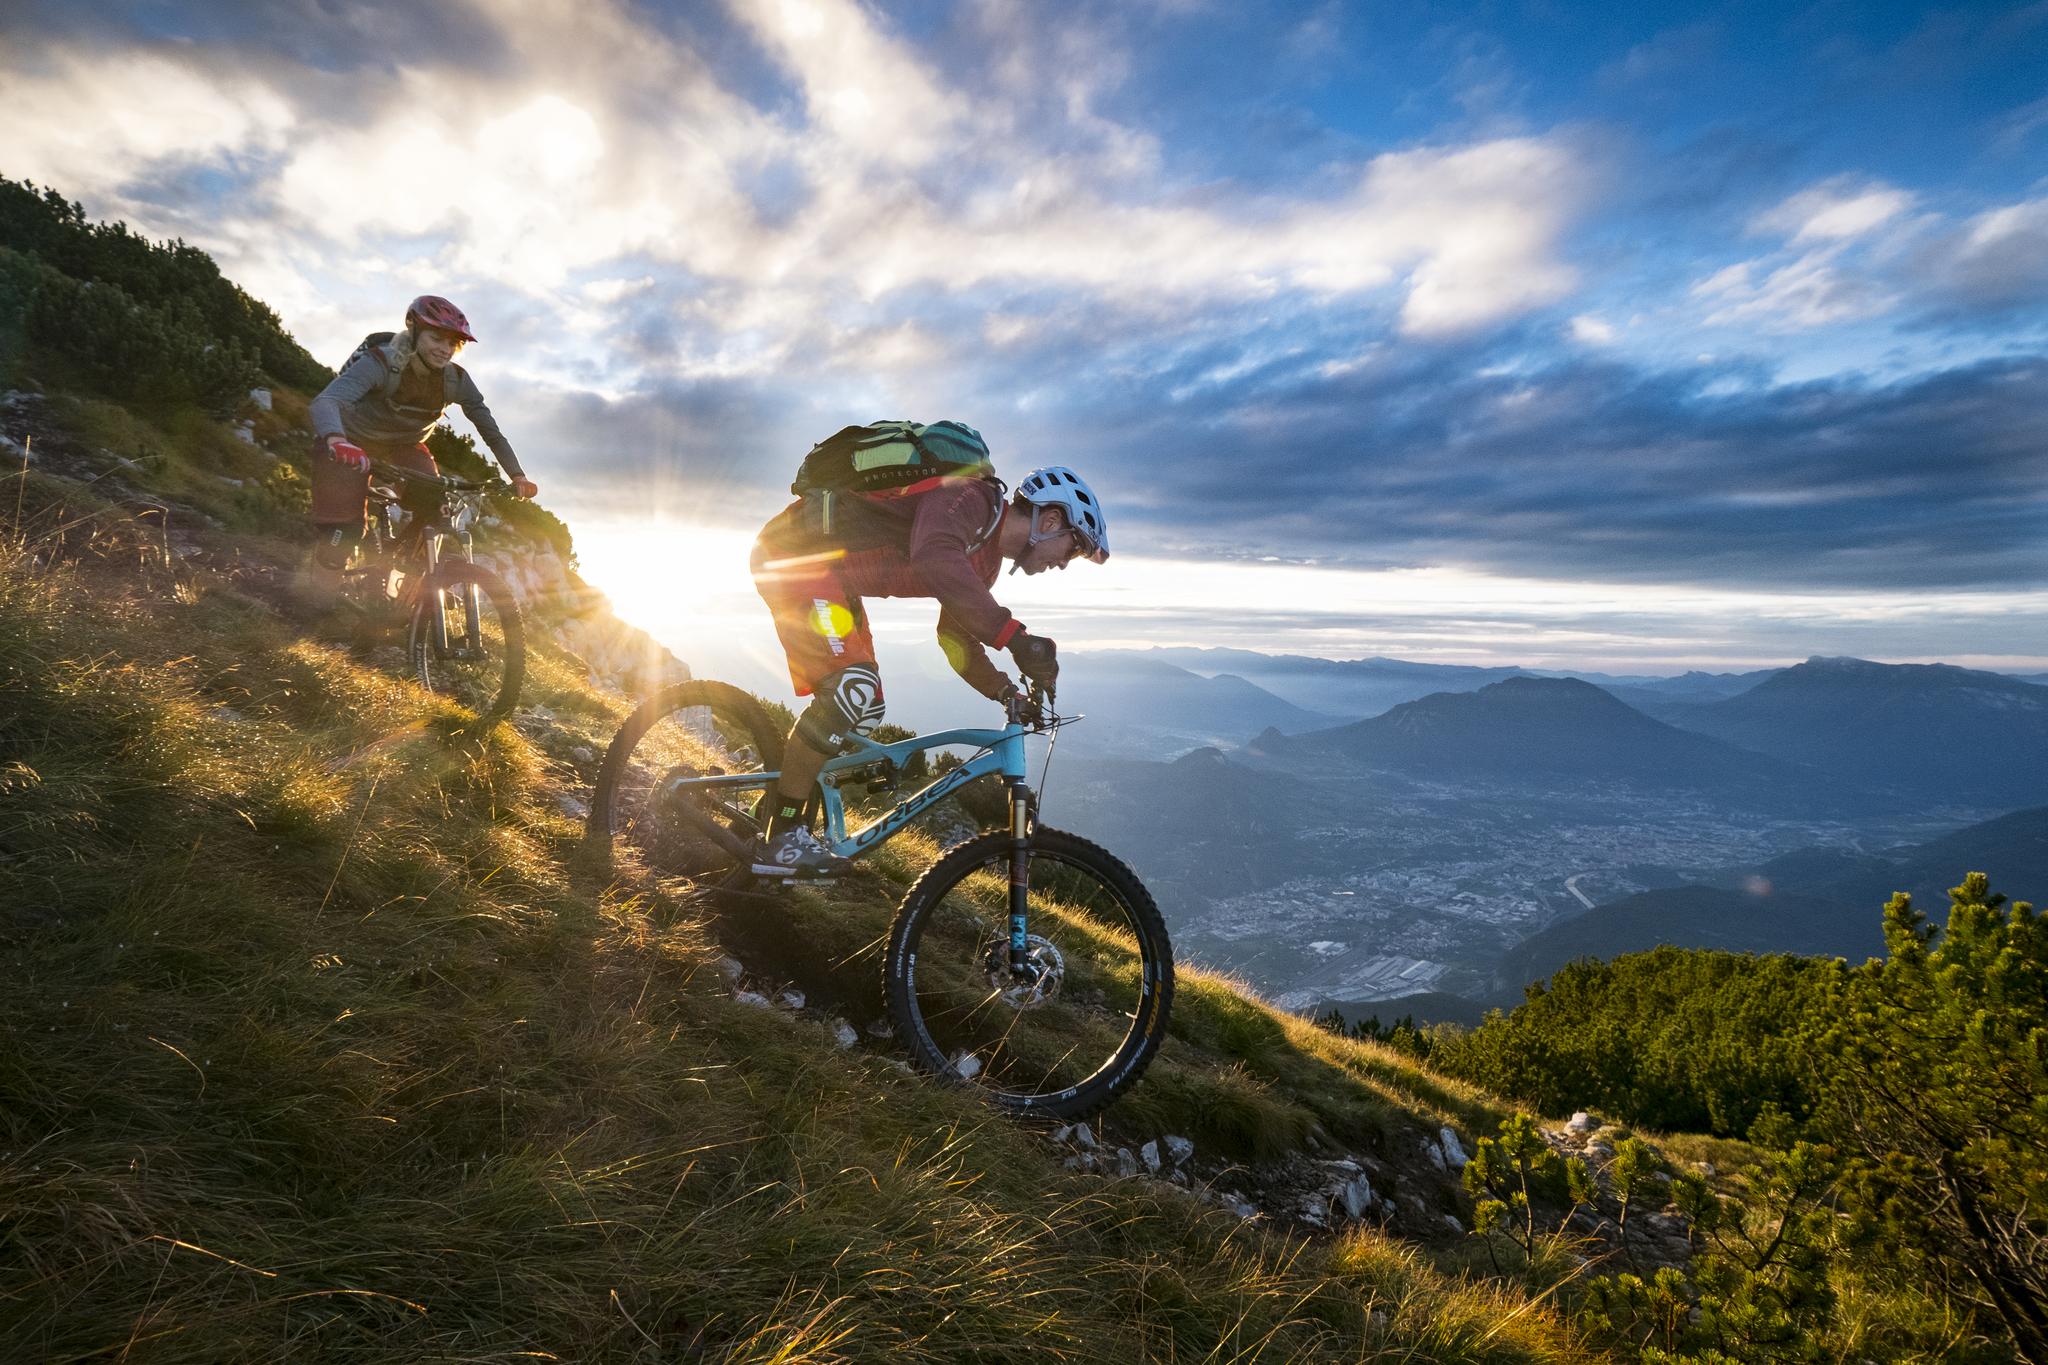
column 1356, row 1197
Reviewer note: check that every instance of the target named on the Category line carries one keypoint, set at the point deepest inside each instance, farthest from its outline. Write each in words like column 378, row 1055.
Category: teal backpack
column 883, row 457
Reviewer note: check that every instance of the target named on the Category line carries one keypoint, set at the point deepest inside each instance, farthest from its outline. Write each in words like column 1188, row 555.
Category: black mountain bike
column 1028, row 962
column 463, row 635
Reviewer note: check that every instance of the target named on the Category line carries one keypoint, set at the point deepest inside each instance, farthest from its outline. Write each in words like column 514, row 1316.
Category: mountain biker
column 381, row 407
column 945, row 538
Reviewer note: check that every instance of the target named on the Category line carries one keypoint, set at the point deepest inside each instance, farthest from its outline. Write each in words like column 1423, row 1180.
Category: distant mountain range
column 1930, row 731
column 1545, row 730
column 1343, row 689
column 1819, row 900
column 1686, row 687
column 1358, row 689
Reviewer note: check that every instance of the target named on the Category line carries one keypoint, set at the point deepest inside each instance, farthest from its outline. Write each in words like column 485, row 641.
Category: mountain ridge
column 1545, row 729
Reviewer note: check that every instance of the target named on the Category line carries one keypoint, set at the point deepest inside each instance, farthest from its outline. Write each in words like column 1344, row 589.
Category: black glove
column 1037, row 658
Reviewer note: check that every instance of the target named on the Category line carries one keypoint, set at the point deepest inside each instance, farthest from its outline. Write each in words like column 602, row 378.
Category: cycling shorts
column 822, row 626
column 340, row 493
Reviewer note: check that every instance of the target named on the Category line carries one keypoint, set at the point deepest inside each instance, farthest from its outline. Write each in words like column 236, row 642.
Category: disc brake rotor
column 1043, row 972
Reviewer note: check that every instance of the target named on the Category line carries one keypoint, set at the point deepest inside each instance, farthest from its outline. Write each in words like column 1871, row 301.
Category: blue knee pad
column 848, row 702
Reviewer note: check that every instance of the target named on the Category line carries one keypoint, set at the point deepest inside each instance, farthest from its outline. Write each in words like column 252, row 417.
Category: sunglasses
column 1084, row 545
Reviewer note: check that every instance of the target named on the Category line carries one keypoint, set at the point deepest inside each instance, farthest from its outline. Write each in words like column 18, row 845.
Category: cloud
column 1834, row 210
column 696, row 240
column 88, row 122
column 1598, row 470
column 870, row 95
column 1855, row 250
column 1994, row 265
column 1808, row 292
column 596, row 138
column 1591, row 330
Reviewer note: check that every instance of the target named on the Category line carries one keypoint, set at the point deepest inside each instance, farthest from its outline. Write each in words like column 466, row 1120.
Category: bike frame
column 429, row 537
column 1001, row 753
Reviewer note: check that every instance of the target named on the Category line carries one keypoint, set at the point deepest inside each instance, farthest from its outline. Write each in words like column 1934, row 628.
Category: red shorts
column 341, row 493
column 822, row 626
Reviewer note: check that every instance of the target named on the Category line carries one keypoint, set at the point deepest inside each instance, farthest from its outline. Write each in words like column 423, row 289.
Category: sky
column 1624, row 337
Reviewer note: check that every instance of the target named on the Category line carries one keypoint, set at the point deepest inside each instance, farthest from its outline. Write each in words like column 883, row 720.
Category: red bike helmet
column 431, row 310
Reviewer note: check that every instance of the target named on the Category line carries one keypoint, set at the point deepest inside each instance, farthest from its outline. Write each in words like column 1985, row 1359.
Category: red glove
column 525, row 488
column 353, row 456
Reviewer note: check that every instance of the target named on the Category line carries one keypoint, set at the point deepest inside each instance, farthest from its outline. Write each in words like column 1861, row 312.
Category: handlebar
column 1039, row 698
column 393, row 471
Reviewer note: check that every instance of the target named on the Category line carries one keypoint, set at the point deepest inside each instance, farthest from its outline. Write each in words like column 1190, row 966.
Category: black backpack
column 882, row 457
column 888, row 455
column 374, row 342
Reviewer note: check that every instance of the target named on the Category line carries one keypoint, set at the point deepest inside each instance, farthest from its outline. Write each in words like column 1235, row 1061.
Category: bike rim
column 683, row 830
column 1022, row 1040
column 472, row 663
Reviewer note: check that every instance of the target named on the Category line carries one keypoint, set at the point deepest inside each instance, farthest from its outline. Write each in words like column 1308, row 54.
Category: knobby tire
column 454, row 576
column 941, row 893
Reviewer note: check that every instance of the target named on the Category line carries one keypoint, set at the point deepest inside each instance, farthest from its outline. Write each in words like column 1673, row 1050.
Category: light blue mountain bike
column 1026, row 961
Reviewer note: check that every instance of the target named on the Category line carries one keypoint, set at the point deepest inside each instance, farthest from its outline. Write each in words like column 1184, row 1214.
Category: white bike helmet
column 1058, row 486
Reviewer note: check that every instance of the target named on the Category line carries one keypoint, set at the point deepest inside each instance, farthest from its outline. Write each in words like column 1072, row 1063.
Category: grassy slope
column 314, row 1040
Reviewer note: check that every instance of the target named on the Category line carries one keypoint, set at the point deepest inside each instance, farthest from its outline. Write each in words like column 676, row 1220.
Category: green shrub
column 180, row 282
column 95, row 335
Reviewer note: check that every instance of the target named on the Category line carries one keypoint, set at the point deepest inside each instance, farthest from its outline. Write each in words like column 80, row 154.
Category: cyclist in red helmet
column 381, row 406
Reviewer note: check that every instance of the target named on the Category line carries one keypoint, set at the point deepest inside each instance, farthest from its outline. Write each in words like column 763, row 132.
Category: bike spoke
column 1074, row 1008
column 466, row 640
column 686, row 831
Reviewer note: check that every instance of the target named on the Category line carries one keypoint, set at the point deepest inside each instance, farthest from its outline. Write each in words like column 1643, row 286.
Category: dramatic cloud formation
column 1758, row 303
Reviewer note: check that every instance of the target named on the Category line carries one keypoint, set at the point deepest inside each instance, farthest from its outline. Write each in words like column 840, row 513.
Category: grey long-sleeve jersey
column 364, row 403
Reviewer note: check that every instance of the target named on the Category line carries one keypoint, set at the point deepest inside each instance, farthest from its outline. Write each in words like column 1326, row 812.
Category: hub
column 1037, row 981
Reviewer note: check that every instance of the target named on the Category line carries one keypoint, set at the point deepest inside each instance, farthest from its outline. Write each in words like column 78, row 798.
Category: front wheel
column 466, row 640
column 1077, row 1025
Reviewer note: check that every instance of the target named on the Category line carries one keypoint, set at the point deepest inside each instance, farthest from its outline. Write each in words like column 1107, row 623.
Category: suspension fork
column 431, row 543
column 472, row 602
column 1023, row 818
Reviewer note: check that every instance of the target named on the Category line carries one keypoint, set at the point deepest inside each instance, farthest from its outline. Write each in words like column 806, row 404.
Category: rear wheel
column 473, row 650
column 1079, row 1024
column 688, row 730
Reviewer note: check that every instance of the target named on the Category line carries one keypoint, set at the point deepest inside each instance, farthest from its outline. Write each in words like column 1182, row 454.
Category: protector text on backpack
column 885, row 458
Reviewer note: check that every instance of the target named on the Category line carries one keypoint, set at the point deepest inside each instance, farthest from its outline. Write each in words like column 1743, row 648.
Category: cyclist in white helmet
column 944, row 538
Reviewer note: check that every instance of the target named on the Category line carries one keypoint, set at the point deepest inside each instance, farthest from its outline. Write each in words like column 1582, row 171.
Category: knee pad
column 847, row 702
column 336, row 545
